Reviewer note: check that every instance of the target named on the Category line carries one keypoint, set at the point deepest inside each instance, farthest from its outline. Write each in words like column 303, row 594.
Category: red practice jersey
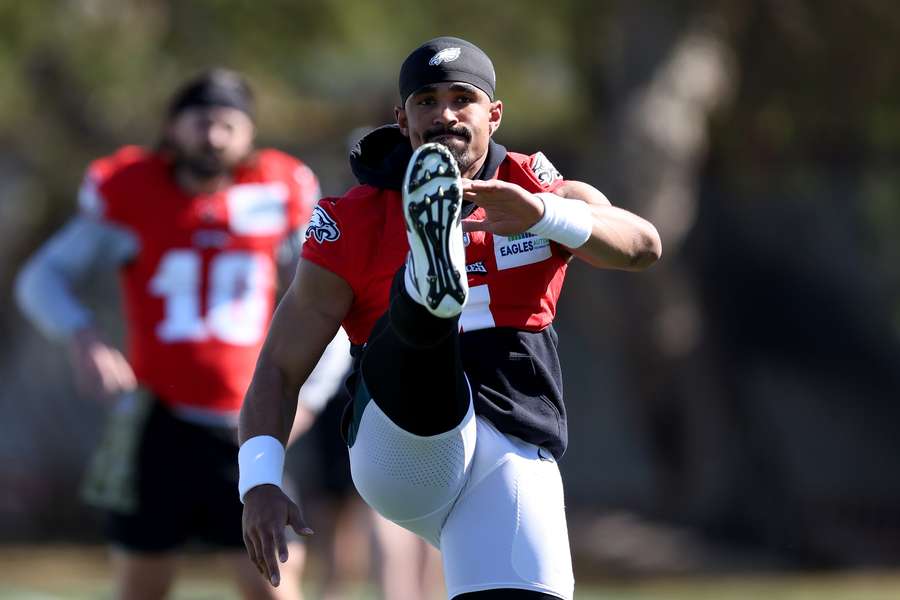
column 513, row 281
column 199, row 294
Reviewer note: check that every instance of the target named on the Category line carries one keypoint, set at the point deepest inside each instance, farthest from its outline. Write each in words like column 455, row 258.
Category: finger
column 114, row 374
column 258, row 561
column 297, row 522
column 258, row 555
column 480, row 185
column 267, row 546
column 476, row 225
column 255, row 556
column 281, row 544
column 127, row 379
column 251, row 549
column 106, row 373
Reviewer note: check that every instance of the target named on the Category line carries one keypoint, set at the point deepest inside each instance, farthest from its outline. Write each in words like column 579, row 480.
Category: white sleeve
column 289, row 251
column 328, row 375
column 44, row 286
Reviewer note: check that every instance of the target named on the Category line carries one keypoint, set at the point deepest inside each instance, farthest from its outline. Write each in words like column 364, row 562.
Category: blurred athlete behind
column 197, row 229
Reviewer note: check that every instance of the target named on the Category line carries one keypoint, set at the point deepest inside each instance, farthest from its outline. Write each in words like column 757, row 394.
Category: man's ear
column 495, row 115
column 400, row 117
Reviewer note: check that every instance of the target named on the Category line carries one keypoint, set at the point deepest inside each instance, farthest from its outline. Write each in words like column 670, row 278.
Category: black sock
column 413, row 369
column 412, row 321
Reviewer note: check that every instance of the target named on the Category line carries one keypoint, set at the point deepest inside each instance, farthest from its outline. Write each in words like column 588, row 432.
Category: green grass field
column 78, row 573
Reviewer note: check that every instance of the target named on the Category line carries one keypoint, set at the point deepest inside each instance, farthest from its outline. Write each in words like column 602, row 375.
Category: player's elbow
column 26, row 286
column 647, row 248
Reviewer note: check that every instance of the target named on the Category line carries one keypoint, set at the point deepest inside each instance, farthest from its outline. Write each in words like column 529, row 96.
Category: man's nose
column 445, row 115
column 217, row 137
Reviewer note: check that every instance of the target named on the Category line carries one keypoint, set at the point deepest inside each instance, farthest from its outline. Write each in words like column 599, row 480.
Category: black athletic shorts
column 185, row 487
column 331, row 449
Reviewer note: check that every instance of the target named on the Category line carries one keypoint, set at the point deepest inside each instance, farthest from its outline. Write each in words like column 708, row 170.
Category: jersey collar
column 381, row 156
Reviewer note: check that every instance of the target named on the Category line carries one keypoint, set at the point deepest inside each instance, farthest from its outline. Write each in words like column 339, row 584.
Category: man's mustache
column 457, row 131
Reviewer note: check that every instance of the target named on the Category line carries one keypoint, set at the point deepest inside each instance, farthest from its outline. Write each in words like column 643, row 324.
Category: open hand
column 509, row 208
column 100, row 369
column 267, row 511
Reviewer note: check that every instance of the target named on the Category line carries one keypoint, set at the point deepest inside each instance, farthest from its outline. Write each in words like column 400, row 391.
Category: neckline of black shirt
column 380, row 159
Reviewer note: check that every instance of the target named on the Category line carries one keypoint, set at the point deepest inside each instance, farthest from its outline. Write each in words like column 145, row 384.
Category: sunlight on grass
column 828, row 587
column 81, row 573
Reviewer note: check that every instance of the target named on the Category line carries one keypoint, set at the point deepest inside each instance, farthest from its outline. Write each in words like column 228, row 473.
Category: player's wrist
column 564, row 220
column 260, row 462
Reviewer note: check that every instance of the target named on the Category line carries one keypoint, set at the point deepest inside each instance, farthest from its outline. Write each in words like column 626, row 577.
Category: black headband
column 447, row 59
column 218, row 87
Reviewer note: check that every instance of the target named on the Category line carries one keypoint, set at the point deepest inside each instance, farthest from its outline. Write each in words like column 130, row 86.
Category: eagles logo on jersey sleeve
column 544, row 170
column 322, row 227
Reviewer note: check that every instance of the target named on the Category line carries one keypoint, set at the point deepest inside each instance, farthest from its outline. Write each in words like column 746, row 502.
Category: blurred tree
column 762, row 137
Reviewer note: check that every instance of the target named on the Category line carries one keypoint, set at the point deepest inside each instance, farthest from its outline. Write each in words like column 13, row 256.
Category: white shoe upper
column 432, row 205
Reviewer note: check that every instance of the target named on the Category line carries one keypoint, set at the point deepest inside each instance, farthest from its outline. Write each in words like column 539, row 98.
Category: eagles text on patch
column 521, row 249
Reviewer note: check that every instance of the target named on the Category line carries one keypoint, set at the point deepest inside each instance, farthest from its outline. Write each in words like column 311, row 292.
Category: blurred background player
column 197, row 228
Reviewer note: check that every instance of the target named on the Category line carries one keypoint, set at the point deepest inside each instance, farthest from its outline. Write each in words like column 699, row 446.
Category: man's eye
column 425, row 101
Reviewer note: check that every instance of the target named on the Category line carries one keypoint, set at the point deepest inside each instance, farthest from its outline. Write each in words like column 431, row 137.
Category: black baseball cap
column 215, row 87
column 447, row 59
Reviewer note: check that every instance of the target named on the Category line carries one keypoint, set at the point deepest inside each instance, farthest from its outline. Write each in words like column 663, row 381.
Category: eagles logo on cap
column 443, row 60
column 445, row 55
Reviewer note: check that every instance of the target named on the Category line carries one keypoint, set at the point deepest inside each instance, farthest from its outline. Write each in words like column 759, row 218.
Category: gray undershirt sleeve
column 45, row 284
column 288, row 252
column 328, row 376
column 329, row 373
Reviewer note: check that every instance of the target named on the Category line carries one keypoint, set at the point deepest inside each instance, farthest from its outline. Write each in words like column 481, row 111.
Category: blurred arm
column 287, row 256
column 44, row 286
column 305, row 322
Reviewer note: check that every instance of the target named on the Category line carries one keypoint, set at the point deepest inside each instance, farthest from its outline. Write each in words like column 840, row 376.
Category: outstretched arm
column 613, row 238
column 619, row 239
column 305, row 321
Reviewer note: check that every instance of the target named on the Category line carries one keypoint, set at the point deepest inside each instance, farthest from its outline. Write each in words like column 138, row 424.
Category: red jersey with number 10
column 513, row 281
column 198, row 295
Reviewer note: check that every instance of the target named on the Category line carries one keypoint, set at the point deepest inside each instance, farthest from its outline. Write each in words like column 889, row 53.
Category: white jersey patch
column 258, row 208
column 544, row 169
column 521, row 249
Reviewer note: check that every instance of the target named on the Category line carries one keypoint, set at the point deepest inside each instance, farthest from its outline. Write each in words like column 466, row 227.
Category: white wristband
column 260, row 461
column 566, row 221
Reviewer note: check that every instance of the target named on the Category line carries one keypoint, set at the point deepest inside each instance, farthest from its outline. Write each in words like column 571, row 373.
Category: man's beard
column 203, row 164
column 461, row 154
